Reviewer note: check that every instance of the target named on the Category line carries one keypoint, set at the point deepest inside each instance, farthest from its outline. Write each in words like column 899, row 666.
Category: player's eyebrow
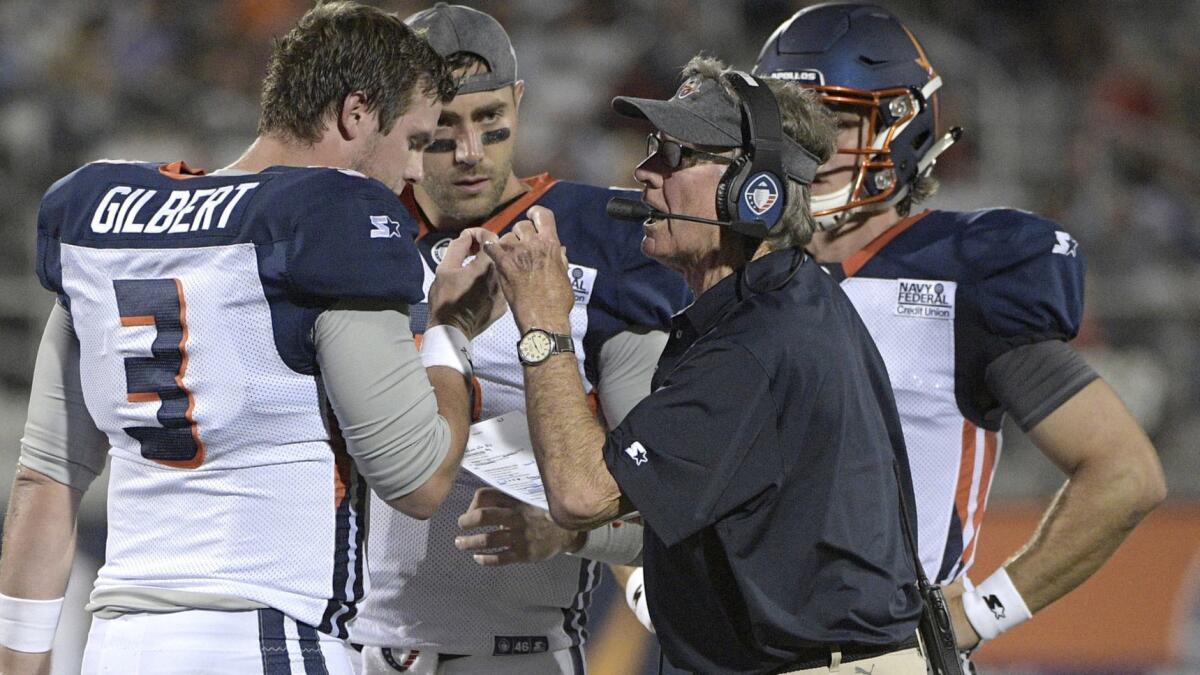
column 493, row 109
column 420, row 140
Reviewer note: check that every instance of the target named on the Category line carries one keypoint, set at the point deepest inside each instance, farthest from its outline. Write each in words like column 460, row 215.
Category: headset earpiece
column 754, row 187
column 729, row 188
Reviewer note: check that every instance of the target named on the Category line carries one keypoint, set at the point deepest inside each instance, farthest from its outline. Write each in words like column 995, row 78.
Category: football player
column 238, row 343
column 972, row 312
column 443, row 596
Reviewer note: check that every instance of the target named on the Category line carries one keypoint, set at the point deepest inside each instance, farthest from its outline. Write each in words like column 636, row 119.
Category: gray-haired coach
column 762, row 462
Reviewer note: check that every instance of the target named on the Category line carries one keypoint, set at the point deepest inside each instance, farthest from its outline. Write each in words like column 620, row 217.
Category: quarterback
column 443, row 594
column 238, row 344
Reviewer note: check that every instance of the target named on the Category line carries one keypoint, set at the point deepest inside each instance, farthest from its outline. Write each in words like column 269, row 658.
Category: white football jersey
column 192, row 299
column 943, row 294
column 424, row 591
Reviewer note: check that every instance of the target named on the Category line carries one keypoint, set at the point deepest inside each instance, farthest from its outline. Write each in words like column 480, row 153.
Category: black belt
column 821, row 656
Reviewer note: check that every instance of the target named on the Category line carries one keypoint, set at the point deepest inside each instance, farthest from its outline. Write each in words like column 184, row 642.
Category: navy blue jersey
column 193, row 298
column 943, row 294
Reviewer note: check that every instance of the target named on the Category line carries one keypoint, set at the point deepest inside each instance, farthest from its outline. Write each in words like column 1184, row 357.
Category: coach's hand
column 964, row 633
column 465, row 294
column 524, row 533
column 533, row 271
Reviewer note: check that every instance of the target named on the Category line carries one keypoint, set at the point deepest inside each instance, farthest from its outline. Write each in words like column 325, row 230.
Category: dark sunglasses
column 673, row 154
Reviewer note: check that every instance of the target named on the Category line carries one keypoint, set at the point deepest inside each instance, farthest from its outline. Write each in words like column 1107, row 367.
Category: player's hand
column 533, row 271
column 524, row 533
column 964, row 633
column 464, row 294
column 23, row 663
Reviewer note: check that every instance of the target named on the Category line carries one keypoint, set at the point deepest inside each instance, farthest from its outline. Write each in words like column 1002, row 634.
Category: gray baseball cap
column 701, row 113
column 454, row 28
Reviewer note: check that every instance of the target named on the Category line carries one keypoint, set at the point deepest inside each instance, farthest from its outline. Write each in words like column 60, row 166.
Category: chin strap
column 925, row 166
column 839, row 197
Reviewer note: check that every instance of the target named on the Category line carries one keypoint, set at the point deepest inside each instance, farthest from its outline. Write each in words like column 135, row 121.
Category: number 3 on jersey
column 160, row 303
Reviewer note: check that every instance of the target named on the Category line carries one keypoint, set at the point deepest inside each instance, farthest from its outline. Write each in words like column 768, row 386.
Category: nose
column 414, row 171
column 647, row 173
column 468, row 148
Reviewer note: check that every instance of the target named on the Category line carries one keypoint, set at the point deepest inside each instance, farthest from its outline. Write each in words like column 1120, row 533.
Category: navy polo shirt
column 762, row 464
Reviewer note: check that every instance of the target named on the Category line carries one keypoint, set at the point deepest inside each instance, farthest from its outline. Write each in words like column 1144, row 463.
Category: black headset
column 752, row 194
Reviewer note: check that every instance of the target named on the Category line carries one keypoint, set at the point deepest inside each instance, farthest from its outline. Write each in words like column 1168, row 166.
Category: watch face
column 535, row 346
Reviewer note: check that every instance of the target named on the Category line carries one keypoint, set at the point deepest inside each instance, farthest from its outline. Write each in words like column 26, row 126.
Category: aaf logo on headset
column 761, row 193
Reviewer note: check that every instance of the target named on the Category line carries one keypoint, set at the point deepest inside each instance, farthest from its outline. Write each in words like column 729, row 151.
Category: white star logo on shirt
column 637, row 452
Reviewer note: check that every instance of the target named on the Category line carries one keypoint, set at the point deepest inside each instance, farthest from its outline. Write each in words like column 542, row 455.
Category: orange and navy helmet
column 861, row 59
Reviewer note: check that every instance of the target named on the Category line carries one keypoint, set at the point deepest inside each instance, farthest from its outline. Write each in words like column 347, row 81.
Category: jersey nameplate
column 924, row 299
column 121, row 209
column 582, row 281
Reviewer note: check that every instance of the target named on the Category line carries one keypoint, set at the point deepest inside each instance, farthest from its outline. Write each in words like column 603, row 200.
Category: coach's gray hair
column 805, row 120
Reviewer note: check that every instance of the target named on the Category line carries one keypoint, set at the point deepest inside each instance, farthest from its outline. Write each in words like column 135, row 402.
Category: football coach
column 762, row 463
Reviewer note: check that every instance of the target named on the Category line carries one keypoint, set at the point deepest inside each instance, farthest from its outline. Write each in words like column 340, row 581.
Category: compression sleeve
column 627, row 363
column 382, row 398
column 1032, row 381
column 61, row 440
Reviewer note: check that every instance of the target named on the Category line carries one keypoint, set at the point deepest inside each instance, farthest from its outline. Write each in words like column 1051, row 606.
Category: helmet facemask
column 885, row 114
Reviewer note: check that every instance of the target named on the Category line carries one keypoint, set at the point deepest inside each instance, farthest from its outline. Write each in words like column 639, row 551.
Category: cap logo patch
column 762, row 194
column 688, row 88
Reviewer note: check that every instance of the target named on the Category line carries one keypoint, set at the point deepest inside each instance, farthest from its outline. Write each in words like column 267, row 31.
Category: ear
column 518, row 91
column 354, row 119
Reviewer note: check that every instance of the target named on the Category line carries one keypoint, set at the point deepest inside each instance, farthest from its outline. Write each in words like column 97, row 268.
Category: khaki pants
column 904, row 662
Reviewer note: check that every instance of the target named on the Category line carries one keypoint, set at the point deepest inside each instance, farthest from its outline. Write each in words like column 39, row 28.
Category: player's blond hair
column 806, row 121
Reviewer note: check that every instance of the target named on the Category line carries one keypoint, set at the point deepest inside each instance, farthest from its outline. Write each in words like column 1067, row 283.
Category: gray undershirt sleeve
column 1032, row 381
column 61, row 440
column 627, row 363
column 382, row 397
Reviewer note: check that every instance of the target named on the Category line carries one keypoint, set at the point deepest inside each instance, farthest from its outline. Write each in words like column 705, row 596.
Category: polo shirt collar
column 767, row 272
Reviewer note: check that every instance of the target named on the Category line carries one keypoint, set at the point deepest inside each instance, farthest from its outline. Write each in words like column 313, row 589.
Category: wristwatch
column 537, row 345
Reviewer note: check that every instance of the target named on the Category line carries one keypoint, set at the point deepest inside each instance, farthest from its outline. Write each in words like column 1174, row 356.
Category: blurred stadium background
column 1087, row 111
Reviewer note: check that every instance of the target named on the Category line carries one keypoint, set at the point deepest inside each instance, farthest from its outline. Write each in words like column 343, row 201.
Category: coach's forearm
column 568, row 442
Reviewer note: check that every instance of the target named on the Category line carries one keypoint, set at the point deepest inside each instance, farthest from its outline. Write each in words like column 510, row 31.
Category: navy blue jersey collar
column 766, row 273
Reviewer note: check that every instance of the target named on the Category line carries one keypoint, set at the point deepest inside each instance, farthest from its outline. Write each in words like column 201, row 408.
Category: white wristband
column 635, row 597
column 617, row 543
column 447, row 346
column 28, row 625
column 995, row 606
